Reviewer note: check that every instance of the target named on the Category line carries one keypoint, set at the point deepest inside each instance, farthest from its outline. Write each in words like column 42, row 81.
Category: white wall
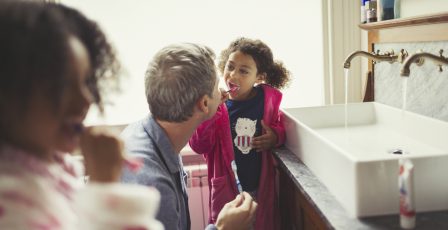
column 138, row 28
column 411, row 8
column 342, row 37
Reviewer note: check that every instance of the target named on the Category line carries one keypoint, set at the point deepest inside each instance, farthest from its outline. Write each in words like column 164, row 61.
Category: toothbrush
column 133, row 163
column 238, row 184
column 233, row 88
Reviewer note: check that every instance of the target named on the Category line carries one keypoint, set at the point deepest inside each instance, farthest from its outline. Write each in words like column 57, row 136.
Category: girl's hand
column 266, row 141
column 102, row 155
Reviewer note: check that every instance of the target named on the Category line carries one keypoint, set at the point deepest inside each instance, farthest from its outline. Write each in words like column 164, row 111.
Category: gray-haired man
column 182, row 91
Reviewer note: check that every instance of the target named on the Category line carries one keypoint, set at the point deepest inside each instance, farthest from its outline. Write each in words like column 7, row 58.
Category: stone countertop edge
column 332, row 212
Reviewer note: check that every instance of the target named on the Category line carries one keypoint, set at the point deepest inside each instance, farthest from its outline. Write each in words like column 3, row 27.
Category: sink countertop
column 332, row 213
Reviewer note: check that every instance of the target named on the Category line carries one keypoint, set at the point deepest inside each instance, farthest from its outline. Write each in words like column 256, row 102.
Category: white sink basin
column 355, row 163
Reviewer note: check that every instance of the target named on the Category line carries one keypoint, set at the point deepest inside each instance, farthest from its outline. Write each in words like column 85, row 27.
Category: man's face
column 216, row 99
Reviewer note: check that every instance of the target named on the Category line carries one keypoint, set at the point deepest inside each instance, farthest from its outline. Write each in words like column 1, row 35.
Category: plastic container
column 379, row 10
column 397, row 9
column 363, row 11
column 388, row 7
column 371, row 11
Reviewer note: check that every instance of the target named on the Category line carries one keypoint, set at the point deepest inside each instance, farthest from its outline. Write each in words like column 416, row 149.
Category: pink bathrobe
column 213, row 139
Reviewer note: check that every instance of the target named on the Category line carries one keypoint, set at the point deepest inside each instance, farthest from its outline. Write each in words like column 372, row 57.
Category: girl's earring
column 261, row 78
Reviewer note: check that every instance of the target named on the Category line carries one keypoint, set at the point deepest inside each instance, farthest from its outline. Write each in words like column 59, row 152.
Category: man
column 182, row 91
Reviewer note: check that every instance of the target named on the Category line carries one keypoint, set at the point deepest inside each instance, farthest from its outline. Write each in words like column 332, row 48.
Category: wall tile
column 427, row 88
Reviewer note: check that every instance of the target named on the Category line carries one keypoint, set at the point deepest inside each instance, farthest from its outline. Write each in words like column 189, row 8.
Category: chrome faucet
column 419, row 59
column 387, row 56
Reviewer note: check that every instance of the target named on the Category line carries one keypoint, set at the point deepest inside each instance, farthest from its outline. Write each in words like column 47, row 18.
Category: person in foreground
column 237, row 141
column 52, row 59
column 182, row 91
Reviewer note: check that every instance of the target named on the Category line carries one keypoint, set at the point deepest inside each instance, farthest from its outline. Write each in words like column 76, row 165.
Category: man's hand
column 238, row 214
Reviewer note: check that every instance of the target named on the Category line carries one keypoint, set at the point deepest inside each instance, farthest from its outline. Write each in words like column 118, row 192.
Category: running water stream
column 346, row 73
column 404, row 96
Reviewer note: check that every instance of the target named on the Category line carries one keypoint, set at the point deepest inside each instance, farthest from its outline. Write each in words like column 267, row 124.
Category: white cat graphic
column 245, row 130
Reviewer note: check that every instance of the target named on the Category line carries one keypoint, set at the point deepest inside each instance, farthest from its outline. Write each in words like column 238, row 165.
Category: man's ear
column 261, row 77
column 202, row 104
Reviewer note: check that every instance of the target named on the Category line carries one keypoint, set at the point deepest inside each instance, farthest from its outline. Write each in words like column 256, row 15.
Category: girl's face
column 43, row 129
column 240, row 75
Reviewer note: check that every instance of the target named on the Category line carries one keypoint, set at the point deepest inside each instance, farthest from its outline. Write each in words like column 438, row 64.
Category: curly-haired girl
column 244, row 130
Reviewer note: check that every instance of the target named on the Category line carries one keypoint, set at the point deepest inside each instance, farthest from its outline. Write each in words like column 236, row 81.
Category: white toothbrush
column 238, row 184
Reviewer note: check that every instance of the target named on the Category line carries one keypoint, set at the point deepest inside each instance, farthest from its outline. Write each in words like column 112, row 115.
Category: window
column 139, row 28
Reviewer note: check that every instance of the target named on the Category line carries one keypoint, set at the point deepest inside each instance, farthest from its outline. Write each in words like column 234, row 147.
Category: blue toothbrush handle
column 238, row 185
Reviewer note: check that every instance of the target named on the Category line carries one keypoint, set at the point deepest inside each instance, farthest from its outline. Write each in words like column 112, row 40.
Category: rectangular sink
column 356, row 162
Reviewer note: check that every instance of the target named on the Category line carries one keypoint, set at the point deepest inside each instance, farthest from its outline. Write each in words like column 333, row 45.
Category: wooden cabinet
column 296, row 211
column 305, row 203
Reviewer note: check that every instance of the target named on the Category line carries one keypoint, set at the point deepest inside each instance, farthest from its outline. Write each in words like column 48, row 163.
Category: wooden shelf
column 402, row 22
column 425, row 28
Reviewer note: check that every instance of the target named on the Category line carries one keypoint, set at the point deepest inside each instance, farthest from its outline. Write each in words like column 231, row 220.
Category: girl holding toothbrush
column 244, row 130
column 52, row 62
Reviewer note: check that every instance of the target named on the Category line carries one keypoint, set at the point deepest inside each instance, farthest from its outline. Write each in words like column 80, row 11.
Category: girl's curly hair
column 276, row 74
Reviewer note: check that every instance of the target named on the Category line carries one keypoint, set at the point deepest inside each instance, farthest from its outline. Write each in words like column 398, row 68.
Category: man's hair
column 177, row 77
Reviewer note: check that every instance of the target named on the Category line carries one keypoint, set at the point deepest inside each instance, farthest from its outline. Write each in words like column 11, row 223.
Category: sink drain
column 397, row 151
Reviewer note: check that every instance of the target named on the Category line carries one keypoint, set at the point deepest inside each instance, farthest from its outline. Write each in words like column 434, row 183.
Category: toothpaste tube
column 406, row 186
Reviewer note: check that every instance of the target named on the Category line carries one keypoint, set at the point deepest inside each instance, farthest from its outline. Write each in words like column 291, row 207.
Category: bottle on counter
column 397, row 9
column 363, row 11
column 371, row 11
column 387, row 9
column 379, row 10
column 406, row 189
